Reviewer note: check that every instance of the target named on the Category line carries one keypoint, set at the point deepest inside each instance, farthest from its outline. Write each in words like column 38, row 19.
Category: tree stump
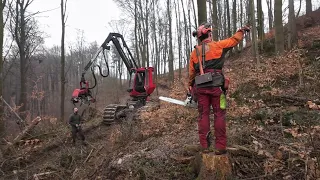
column 214, row 167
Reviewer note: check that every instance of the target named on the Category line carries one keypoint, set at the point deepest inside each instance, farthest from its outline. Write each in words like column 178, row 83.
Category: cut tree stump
column 214, row 167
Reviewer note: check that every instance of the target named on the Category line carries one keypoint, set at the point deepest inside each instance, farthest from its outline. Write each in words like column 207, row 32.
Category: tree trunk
column 299, row 8
column 179, row 35
column 136, row 32
column 62, row 75
column 254, row 34
column 234, row 20
column 308, row 6
column 228, row 18
column 190, row 39
column 20, row 9
column 142, row 37
column 214, row 17
column 147, row 33
column 279, row 39
column 220, row 20
column 194, row 14
column 165, row 50
column 202, row 11
column 156, row 46
column 249, row 19
column 187, row 35
column 225, row 26
column 260, row 23
column 270, row 14
column 241, row 20
column 2, row 134
column 171, row 71
column 292, row 26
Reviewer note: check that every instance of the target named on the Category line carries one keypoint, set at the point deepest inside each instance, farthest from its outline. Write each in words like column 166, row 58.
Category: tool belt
column 210, row 79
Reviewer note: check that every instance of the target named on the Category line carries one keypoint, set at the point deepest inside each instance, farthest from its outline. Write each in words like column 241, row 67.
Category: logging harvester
column 140, row 87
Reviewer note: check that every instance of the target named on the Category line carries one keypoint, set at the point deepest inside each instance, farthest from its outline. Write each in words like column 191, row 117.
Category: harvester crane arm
column 129, row 62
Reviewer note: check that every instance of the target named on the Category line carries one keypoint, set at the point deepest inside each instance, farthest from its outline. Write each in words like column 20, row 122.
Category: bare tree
column 228, row 18
column 194, row 13
column 234, row 19
column 25, row 32
column 254, row 34
column 214, row 16
column 202, row 11
column 157, row 59
column 270, row 14
column 300, row 2
column 63, row 7
column 178, row 24
column 136, row 30
column 241, row 22
column 308, row 6
column 260, row 23
column 2, row 5
column 187, row 33
column 279, row 43
column 143, row 31
column 170, row 63
column 292, row 35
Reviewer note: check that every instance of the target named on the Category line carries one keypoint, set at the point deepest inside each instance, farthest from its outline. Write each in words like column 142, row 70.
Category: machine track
column 112, row 112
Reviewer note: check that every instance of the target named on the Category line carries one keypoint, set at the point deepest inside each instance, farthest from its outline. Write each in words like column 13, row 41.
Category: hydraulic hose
column 100, row 71
column 94, row 77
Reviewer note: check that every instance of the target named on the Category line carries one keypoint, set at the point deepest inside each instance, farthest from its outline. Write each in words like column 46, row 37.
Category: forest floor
column 273, row 126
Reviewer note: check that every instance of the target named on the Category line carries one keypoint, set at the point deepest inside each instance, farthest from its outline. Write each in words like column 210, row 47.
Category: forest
column 273, row 102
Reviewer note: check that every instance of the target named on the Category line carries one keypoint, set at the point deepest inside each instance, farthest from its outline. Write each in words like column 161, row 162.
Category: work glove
column 245, row 29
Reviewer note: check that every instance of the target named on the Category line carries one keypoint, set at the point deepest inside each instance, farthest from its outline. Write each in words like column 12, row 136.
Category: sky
column 91, row 17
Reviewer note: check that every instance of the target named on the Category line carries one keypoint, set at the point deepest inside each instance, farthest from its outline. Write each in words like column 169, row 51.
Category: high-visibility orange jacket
column 214, row 57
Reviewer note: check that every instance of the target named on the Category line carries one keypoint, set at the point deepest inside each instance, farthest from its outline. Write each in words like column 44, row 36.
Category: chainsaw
column 189, row 102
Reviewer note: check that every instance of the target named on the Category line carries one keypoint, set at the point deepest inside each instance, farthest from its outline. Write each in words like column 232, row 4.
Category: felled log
column 26, row 131
column 278, row 100
column 23, row 134
column 292, row 99
column 214, row 167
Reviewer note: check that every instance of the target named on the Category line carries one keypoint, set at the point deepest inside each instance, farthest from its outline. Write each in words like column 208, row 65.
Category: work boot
column 220, row 151
column 208, row 149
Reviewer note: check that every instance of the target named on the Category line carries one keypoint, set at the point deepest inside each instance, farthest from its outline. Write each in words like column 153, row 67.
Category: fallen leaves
column 294, row 132
column 313, row 105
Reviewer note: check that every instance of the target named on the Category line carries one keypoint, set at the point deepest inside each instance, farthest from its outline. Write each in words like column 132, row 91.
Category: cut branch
column 11, row 109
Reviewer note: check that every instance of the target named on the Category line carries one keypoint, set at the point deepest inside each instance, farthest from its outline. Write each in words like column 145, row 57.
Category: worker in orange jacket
column 213, row 92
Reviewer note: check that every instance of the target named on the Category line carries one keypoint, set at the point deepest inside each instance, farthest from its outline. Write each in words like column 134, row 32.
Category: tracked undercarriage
column 114, row 112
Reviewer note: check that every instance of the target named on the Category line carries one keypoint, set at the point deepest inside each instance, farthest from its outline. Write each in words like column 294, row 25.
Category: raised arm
column 234, row 40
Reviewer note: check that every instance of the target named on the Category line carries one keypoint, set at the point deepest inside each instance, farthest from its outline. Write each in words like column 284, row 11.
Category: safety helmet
column 204, row 28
